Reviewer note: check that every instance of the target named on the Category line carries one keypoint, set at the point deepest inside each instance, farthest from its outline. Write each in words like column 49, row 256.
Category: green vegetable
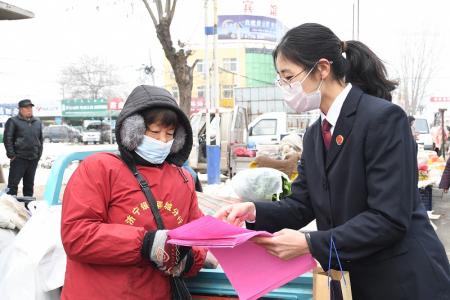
column 286, row 189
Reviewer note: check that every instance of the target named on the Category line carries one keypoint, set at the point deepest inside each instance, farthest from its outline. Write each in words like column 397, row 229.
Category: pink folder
column 251, row 270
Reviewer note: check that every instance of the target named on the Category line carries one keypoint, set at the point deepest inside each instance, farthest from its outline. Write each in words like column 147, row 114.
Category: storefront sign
column 115, row 103
column 84, row 107
column 9, row 109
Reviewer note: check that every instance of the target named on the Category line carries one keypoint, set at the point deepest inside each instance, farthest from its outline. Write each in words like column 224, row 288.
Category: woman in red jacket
column 114, row 250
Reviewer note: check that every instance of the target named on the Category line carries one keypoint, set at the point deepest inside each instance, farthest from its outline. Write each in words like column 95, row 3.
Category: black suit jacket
column 364, row 194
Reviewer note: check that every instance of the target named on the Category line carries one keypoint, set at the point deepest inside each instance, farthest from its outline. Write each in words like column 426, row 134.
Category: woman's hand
column 285, row 244
column 210, row 261
column 238, row 213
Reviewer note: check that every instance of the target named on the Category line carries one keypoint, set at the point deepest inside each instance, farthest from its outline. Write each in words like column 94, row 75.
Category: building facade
column 243, row 55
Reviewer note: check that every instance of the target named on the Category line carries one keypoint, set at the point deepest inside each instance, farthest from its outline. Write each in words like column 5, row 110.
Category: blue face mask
column 153, row 150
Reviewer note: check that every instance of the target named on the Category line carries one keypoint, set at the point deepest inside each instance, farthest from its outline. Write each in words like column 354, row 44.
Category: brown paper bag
column 337, row 290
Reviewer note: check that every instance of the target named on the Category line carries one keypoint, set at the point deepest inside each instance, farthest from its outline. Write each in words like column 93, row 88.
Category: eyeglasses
column 283, row 82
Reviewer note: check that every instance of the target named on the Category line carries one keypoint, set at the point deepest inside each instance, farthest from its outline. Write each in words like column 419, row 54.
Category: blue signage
column 8, row 109
column 248, row 27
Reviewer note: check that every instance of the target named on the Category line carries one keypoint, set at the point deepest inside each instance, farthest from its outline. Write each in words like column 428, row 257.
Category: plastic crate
column 426, row 196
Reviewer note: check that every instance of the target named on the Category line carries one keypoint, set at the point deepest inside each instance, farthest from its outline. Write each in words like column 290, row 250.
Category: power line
column 247, row 77
column 197, row 75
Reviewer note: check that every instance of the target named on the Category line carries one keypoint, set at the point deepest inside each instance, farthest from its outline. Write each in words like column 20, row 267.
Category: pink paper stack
column 251, row 270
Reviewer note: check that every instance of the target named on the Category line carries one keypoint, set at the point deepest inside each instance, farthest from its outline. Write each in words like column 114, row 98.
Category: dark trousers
column 22, row 168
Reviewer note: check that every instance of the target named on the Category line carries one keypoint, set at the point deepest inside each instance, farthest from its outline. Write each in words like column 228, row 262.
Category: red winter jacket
column 105, row 216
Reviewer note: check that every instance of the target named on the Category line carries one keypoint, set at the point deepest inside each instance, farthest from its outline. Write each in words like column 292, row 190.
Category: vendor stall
column 430, row 171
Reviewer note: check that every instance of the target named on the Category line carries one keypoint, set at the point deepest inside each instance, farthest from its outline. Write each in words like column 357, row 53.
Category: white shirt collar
column 335, row 108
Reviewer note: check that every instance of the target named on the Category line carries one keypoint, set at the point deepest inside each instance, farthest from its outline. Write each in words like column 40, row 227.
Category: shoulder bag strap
column 177, row 285
column 148, row 195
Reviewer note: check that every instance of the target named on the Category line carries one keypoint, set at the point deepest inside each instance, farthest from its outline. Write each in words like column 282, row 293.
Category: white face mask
column 153, row 150
column 298, row 100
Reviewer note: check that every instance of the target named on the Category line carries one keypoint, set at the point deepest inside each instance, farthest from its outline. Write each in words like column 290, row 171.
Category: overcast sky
column 33, row 52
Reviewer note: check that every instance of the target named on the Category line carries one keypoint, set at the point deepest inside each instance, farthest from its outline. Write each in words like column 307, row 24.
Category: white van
column 97, row 132
column 423, row 133
column 229, row 125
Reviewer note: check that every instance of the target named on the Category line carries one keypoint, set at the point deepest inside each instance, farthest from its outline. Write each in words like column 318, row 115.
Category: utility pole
column 110, row 124
column 215, row 60
column 208, row 101
column 442, row 111
column 216, row 74
column 213, row 151
column 355, row 22
column 152, row 69
column 205, row 60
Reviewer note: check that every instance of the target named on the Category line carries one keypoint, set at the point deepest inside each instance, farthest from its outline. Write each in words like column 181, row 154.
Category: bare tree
column 90, row 77
column 417, row 68
column 177, row 59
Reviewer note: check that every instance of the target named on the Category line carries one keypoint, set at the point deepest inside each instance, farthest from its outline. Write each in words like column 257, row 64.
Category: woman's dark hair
column 161, row 115
column 309, row 42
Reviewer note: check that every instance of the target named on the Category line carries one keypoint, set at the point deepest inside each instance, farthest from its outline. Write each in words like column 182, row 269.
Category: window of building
column 227, row 91
column 201, row 91
column 199, row 66
column 230, row 64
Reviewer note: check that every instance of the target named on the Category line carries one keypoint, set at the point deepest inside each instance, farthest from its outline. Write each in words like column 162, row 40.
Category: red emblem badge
column 339, row 140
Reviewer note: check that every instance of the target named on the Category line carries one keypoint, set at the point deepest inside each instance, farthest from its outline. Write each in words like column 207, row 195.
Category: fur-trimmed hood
column 130, row 126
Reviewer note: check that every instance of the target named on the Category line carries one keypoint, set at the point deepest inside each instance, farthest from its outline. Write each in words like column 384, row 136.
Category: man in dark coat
column 23, row 142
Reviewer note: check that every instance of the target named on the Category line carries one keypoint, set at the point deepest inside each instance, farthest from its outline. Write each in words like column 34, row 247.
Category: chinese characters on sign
column 248, row 4
column 273, row 10
column 167, row 206
column 248, row 27
column 9, row 109
column 115, row 103
column 440, row 99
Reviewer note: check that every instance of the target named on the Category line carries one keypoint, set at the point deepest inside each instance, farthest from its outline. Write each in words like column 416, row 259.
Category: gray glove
column 170, row 259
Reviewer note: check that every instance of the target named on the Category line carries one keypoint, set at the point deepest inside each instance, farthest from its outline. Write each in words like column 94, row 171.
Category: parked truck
column 270, row 128
column 270, row 117
column 228, row 128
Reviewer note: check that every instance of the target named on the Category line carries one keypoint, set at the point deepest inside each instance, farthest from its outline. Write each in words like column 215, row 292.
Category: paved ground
column 441, row 206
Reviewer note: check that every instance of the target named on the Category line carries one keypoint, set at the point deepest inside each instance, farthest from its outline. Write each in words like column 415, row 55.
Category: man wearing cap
column 23, row 142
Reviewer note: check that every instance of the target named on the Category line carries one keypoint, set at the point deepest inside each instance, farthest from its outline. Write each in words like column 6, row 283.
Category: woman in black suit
column 357, row 175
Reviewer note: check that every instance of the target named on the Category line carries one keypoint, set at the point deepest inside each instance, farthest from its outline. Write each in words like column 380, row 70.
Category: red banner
column 115, row 103
column 440, row 99
column 197, row 103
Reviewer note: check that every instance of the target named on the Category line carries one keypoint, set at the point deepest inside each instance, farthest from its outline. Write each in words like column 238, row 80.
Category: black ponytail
column 367, row 71
column 309, row 42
